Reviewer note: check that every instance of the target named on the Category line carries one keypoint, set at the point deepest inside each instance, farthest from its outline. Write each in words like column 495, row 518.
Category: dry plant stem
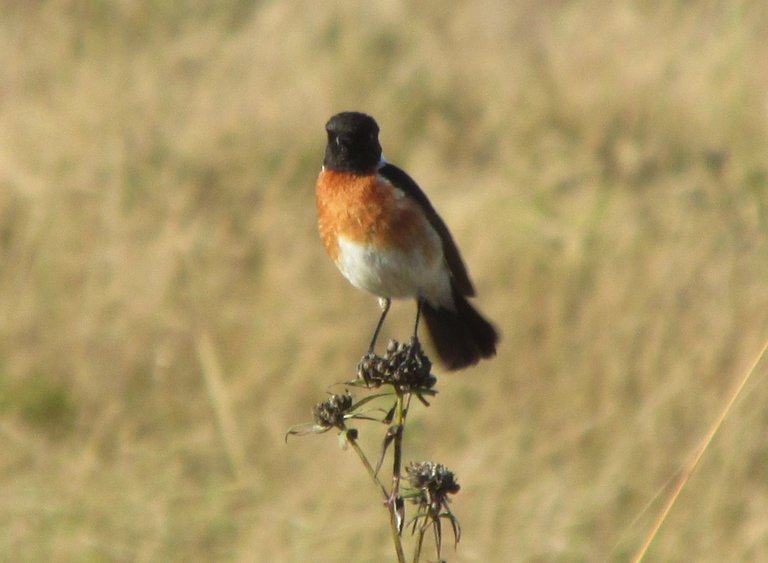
column 213, row 375
column 395, row 492
column 419, row 543
column 398, row 455
column 390, row 505
column 368, row 467
column 396, row 534
column 688, row 470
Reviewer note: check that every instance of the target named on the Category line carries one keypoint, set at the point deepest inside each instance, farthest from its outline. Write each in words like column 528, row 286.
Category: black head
column 353, row 143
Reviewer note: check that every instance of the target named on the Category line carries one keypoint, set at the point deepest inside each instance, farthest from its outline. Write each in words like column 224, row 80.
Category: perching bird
column 386, row 238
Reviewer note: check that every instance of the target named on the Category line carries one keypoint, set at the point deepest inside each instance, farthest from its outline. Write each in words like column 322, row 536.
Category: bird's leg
column 415, row 346
column 418, row 318
column 384, row 303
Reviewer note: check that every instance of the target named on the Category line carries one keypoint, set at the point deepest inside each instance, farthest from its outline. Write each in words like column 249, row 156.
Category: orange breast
column 368, row 210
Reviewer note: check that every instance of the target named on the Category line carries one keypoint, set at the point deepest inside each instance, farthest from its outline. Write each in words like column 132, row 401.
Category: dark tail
column 461, row 336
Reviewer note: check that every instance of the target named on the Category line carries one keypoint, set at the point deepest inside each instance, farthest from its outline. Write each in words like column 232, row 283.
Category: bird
column 383, row 234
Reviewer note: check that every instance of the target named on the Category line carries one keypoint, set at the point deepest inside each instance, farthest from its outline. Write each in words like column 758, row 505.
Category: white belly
column 395, row 273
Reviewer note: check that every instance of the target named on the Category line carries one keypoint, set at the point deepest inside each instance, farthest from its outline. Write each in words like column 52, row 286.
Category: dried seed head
column 330, row 413
column 431, row 484
column 404, row 366
column 434, row 479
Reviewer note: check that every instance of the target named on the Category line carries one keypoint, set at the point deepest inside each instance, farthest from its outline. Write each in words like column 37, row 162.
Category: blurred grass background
column 167, row 312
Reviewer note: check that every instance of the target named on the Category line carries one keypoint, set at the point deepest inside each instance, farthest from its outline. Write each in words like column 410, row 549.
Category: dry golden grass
column 166, row 311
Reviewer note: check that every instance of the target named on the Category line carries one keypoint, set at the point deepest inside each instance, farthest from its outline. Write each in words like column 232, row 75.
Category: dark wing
column 400, row 179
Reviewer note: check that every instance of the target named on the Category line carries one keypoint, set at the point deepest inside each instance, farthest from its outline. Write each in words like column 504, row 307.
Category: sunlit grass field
column 167, row 311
